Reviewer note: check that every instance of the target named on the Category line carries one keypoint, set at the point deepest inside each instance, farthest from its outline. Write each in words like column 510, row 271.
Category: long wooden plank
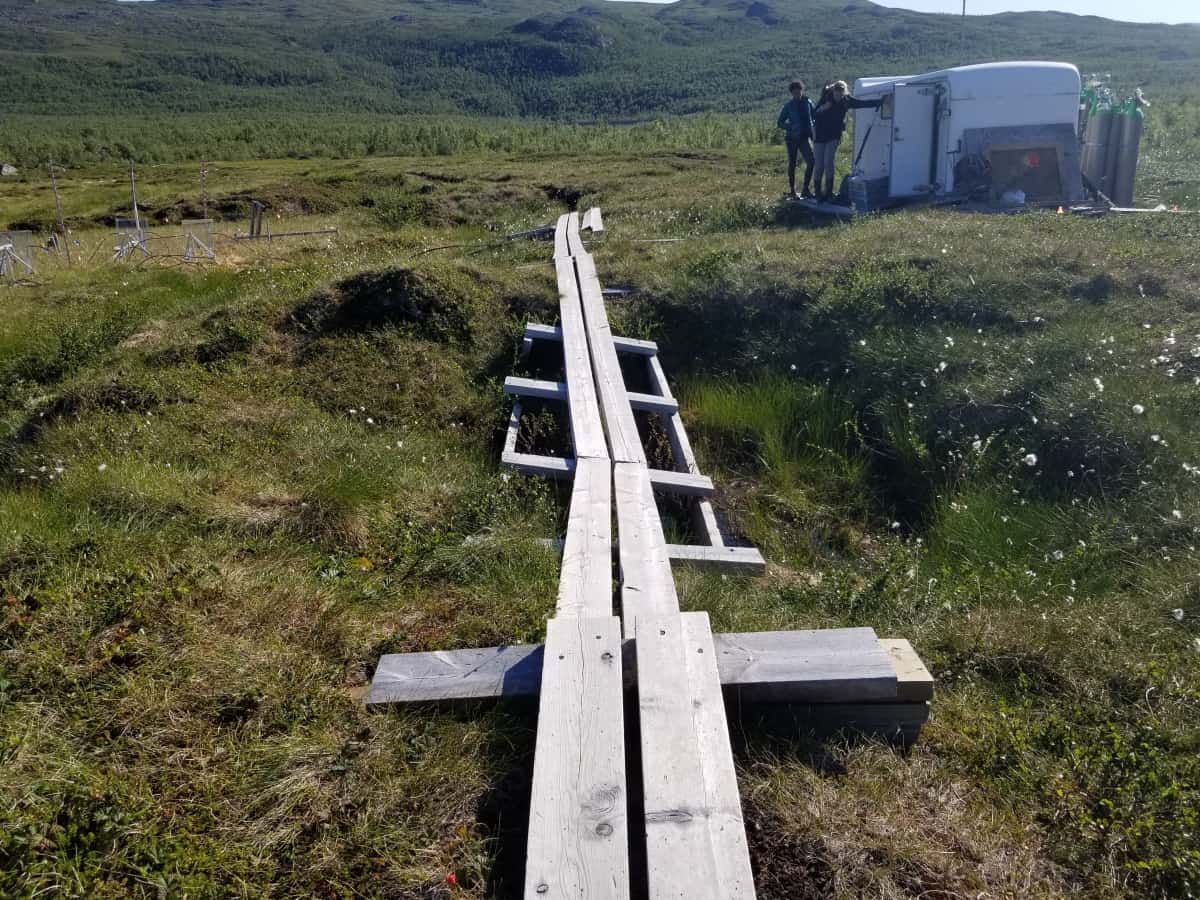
column 578, row 829
column 705, row 516
column 562, row 246
column 695, row 837
column 585, row 588
column 624, row 442
column 587, row 431
column 633, row 346
column 817, row 667
column 647, row 587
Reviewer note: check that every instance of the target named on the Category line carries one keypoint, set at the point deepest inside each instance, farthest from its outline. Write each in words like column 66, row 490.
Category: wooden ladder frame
column 679, row 672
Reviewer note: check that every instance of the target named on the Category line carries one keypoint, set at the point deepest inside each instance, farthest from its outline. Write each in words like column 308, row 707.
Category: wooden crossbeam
column 560, row 467
column 634, row 346
column 557, row 390
column 836, row 665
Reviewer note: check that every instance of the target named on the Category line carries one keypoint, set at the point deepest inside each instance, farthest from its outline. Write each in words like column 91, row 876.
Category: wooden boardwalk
column 607, row 642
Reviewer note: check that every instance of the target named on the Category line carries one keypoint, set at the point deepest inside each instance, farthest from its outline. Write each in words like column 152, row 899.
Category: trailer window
column 885, row 111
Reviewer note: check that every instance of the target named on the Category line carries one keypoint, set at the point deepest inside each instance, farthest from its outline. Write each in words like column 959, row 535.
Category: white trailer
column 976, row 132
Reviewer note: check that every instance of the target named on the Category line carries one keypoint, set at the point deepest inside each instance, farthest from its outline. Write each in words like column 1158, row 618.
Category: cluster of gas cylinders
column 1112, row 137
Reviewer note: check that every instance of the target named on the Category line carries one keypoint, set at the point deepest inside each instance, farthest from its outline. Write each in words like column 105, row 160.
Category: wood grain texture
column 475, row 674
column 587, row 431
column 578, row 829
column 647, row 587
column 833, row 664
column 562, row 246
column 585, row 587
column 624, row 442
column 914, row 680
column 695, row 837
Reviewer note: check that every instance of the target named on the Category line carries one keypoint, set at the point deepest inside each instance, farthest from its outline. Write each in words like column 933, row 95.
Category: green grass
column 277, row 467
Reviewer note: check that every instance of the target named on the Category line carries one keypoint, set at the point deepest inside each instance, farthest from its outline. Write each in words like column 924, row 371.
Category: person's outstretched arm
column 855, row 103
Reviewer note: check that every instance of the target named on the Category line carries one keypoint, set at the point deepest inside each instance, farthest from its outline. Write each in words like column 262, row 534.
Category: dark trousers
column 803, row 148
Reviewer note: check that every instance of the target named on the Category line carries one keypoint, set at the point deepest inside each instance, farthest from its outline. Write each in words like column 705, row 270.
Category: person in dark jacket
column 796, row 119
column 829, row 123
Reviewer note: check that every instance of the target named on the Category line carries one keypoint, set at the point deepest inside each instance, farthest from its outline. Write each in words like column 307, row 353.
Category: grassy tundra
column 226, row 489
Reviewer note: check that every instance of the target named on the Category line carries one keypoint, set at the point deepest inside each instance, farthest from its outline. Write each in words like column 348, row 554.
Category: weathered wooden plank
column 744, row 560
column 585, row 588
column 534, row 464
column 738, row 560
column 914, row 681
column 558, row 390
column 587, row 431
column 695, row 837
column 514, row 428
column 810, row 667
column 593, row 221
column 667, row 482
column 647, row 587
column 578, row 830
column 837, row 664
column 535, row 387
column 624, row 442
column 706, row 523
column 475, row 674
column 562, row 246
column 633, row 346
column 704, row 516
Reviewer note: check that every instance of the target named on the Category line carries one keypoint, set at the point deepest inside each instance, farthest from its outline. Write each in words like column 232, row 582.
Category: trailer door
column 913, row 125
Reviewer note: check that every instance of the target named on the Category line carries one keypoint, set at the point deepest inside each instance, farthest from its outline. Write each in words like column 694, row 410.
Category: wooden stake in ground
column 137, row 220
column 62, row 226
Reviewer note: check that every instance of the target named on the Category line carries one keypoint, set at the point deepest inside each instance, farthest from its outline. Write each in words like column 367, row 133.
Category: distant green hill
column 72, row 68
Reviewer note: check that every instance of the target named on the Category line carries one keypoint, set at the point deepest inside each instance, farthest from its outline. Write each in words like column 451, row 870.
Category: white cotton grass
column 1177, row 615
column 1030, row 459
column 1138, row 409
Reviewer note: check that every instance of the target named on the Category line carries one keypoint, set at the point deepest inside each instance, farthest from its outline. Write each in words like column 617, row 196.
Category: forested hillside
column 82, row 76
